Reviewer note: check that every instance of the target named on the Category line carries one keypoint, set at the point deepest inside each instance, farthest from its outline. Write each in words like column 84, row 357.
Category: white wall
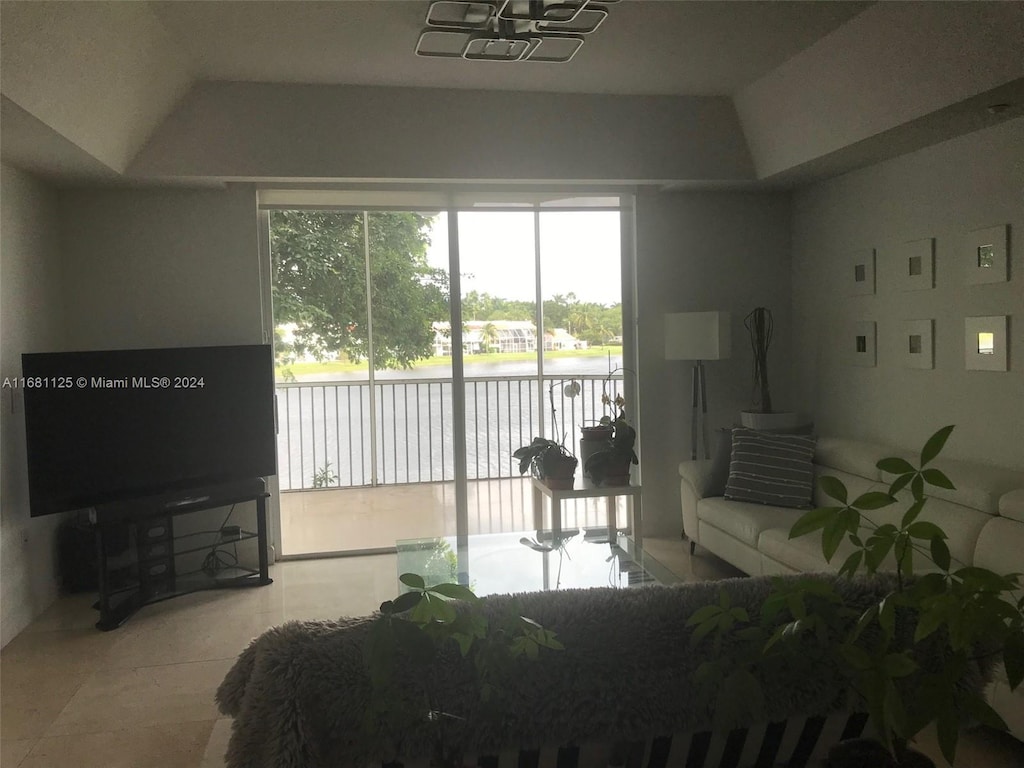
column 941, row 192
column 150, row 268
column 887, row 67
column 291, row 131
column 31, row 319
column 103, row 75
column 699, row 252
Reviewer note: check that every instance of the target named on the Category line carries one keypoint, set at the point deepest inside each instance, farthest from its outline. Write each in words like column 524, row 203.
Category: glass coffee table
column 531, row 561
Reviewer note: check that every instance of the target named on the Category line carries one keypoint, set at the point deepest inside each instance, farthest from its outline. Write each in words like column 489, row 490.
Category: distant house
column 480, row 336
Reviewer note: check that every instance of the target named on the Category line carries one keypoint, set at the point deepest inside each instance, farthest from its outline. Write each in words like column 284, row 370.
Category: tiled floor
column 142, row 695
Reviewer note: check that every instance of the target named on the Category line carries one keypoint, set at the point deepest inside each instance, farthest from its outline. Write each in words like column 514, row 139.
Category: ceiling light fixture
column 509, row 30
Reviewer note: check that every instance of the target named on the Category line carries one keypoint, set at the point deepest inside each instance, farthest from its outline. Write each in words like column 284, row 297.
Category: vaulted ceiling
column 125, row 91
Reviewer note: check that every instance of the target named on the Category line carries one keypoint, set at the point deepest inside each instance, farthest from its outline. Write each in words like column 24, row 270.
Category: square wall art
column 915, row 262
column 918, row 344
column 860, row 344
column 985, row 343
column 986, row 257
column 859, row 278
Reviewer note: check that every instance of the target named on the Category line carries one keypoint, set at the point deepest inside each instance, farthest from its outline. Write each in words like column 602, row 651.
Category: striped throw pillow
column 771, row 469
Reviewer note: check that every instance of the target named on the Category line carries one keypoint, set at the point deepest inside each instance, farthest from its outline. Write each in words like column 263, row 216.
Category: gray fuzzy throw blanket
column 299, row 693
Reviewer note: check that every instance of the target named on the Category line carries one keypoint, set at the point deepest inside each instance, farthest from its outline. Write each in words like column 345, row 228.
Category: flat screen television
column 111, row 426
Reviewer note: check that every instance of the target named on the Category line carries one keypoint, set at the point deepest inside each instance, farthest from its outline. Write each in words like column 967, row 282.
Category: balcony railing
column 324, row 429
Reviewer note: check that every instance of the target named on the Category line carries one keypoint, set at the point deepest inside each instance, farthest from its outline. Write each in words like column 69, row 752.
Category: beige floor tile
column 73, row 651
column 147, row 696
column 30, row 703
column 674, row 554
column 73, row 611
column 13, row 751
column 217, row 746
column 176, row 745
column 179, row 640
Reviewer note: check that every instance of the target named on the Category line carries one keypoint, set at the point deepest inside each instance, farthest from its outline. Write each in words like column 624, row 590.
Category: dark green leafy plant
column 616, row 456
column 905, row 655
column 417, row 627
column 545, row 458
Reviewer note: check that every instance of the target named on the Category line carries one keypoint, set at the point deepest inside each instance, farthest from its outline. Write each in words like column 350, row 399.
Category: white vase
column 772, row 421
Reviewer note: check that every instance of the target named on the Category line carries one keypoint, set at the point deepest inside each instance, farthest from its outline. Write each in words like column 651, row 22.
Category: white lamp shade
column 697, row 336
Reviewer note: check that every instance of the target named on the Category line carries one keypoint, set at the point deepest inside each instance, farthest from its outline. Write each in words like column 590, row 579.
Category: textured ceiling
column 644, row 47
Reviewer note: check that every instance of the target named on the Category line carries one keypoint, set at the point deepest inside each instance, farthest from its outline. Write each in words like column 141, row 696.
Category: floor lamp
column 698, row 336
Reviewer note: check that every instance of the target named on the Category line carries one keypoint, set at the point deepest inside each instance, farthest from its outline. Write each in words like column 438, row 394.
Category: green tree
column 320, row 284
column 489, row 335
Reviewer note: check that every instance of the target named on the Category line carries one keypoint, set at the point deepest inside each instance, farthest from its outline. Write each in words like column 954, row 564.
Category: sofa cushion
column 770, row 468
column 979, row 486
column 961, row 524
column 854, row 456
column 745, row 521
column 1011, row 505
column 1000, row 545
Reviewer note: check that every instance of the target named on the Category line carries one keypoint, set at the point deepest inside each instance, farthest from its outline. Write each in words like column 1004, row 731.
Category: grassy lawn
column 339, row 366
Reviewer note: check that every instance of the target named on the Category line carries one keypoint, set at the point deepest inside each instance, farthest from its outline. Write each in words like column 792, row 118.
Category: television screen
column 111, row 426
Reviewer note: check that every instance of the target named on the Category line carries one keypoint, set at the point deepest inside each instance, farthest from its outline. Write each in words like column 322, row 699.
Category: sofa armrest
column 694, row 484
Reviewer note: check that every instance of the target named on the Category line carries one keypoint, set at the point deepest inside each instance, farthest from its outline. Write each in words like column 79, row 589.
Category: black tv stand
column 144, row 557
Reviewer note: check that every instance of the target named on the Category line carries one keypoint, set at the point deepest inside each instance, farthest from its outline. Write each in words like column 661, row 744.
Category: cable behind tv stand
column 149, row 550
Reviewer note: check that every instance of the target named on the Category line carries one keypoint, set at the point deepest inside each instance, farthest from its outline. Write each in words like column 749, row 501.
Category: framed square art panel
column 860, row 344
column 915, row 263
column 986, row 255
column 918, row 344
column 985, row 343
column 859, row 273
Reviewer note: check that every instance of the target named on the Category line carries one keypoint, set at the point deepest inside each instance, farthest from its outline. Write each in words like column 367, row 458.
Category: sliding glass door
column 403, row 392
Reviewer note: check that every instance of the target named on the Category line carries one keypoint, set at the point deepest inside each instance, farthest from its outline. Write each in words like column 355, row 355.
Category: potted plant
column 905, row 657
column 412, row 632
column 609, row 462
column 760, row 327
column 549, row 460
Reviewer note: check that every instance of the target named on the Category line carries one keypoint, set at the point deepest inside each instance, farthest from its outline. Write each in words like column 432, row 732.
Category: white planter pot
column 772, row 421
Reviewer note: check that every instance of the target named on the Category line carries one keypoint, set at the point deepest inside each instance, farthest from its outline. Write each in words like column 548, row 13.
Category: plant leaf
column 984, row 714
column 455, row 592
column 1013, row 658
column 833, row 488
column 898, row 665
column 912, row 513
column 812, row 521
column 940, row 553
column 901, row 482
column 937, row 478
column 935, row 444
column 831, row 538
column 852, row 563
column 873, row 500
column 928, row 621
column 703, row 614
column 922, row 529
column 917, row 487
column 895, row 466
column 948, row 730
column 404, row 602
column 413, row 580
column 887, row 615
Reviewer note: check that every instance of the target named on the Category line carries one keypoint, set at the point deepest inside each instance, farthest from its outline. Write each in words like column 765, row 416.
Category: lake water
column 325, row 425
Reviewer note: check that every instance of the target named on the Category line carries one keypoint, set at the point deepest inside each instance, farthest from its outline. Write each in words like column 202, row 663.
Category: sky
column 579, row 254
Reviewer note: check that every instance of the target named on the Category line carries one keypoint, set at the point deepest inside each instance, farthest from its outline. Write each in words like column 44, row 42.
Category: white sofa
column 983, row 517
